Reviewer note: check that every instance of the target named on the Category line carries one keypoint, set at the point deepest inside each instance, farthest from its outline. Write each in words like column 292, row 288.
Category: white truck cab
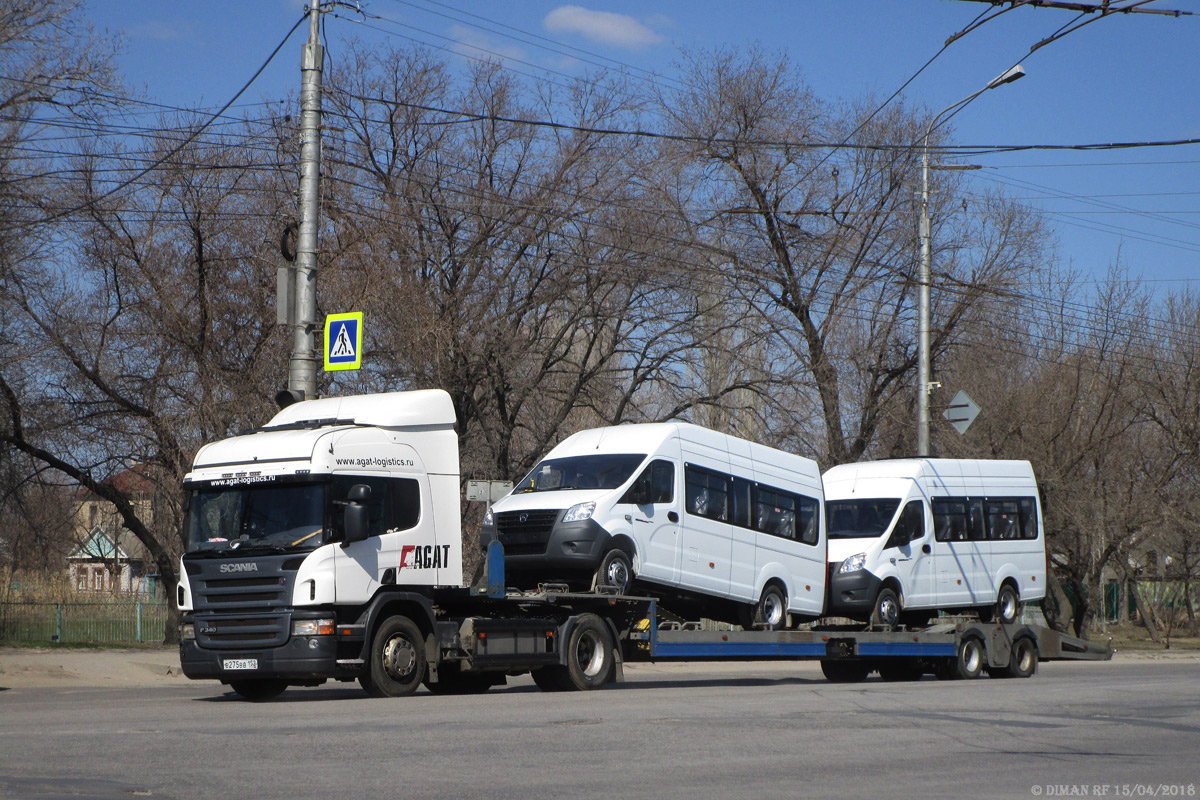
column 689, row 511
column 908, row 537
column 298, row 525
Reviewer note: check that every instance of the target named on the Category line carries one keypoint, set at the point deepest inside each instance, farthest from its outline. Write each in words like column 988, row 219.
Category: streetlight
column 924, row 357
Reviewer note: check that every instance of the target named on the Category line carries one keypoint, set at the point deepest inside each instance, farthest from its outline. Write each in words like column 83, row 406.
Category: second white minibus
column 909, row 537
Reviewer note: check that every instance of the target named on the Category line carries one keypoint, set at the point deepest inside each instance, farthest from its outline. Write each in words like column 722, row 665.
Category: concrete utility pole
column 302, row 370
column 925, row 382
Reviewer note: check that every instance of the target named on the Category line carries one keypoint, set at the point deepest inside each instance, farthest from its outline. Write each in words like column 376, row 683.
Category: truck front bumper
column 301, row 658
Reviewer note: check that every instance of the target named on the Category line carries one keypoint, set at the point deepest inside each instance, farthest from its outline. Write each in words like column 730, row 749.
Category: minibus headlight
column 488, row 518
column 579, row 512
column 853, row 563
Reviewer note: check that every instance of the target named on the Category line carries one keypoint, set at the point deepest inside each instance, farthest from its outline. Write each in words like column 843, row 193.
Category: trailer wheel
column 589, row 653
column 258, row 690
column 397, row 659
column 895, row 670
column 837, row 670
column 1008, row 605
column 616, row 571
column 886, row 613
column 1023, row 660
column 971, row 659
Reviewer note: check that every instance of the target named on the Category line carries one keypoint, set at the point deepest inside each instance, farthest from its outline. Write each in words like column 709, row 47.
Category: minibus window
column 1003, row 519
column 1029, row 520
column 741, row 502
column 662, row 482
column 951, row 520
column 707, row 493
column 910, row 526
column 808, row 515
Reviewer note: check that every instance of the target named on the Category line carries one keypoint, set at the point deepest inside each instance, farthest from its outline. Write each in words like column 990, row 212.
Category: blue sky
column 1124, row 78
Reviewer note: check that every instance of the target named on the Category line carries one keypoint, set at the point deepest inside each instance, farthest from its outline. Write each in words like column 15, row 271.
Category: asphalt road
column 1126, row 728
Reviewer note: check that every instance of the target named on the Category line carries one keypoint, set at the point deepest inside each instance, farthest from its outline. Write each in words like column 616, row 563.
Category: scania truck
column 327, row 545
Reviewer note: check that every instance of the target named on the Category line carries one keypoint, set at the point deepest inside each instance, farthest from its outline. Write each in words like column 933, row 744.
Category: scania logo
column 524, row 518
column 242, row 566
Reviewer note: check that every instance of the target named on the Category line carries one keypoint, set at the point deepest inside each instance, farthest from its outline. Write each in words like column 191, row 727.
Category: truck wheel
column 589, row 653
column 1023, row 660
column 771, row 610
column 258, row 690
column 552, row 679
column 971, row 659
column 1008, row 605
column 894, row 670
column 615, row 571
column 838, row 670
column 397, row 659
column 458, row 683
column 886, row 613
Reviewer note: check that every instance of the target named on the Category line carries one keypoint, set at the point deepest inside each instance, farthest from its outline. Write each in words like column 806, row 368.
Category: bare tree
column 824, row 245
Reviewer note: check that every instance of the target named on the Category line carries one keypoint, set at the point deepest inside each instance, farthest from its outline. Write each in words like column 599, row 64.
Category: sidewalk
column 24, row 668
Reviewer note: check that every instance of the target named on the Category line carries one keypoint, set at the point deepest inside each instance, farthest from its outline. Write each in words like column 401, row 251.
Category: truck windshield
column 580, row 472
column 277, row 516
column 860, row 519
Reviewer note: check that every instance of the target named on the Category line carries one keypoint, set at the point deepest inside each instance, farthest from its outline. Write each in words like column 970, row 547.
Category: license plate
column 240, row 663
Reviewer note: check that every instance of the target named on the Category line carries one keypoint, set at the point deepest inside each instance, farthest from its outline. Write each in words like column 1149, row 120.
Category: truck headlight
column 187, row 632
column 579, row 512
column 312, row 627
column 488, row 519
column 853, row 563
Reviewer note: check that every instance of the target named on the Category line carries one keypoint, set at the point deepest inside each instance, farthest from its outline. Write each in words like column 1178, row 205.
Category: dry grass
column 1133, row 637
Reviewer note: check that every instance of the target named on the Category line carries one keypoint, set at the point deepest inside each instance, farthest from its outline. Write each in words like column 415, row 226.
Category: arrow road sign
column 961, row 412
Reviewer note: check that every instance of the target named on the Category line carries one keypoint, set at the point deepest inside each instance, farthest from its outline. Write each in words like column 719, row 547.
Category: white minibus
column 730, row 528
column 909, row 537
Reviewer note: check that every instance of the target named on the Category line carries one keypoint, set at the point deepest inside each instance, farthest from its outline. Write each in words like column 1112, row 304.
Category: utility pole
column 925, row 383
column 302, row 370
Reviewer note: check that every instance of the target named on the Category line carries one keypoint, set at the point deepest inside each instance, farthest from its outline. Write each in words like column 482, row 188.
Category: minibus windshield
column 860, row 519
column 580, row 472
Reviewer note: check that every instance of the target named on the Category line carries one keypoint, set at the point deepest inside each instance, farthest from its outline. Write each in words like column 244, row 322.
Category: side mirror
column 899, row 538
column 639, row 492
column 354, row 519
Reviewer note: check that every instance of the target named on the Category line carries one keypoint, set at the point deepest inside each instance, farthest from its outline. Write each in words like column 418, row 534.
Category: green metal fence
column 83, row 623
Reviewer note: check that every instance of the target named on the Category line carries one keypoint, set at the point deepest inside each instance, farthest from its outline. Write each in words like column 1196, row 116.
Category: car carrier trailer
column 457, row 641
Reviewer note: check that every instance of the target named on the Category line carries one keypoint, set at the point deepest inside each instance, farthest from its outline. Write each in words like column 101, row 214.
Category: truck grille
column 268, row 585
column 244, row 631
column 526, row 532
column 247, row 605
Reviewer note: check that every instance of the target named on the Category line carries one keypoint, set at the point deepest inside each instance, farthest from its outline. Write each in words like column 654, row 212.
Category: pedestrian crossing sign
column 343, row 341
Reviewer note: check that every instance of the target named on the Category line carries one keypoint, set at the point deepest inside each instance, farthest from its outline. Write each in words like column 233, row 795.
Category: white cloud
column 605, row 27
column 472, row 44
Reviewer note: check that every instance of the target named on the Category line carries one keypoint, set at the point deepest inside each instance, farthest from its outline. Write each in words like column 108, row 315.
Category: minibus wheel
column 771, row 610
column 886, row 613
column 1008, row 605
column 615, row 571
